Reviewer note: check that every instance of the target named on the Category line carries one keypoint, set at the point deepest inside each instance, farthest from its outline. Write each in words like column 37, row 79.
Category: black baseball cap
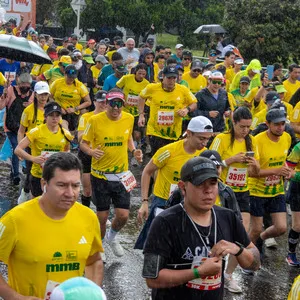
column 187, row 53
column 100, row 96
column 196, row 64
column 272, row 96
column 51, row 107
column 170, row 71
column 214, row 156
column 212, row 52
column 71, row 71
column 276, row 115
column 245, row 79
column 198, row 169
column 150, row 41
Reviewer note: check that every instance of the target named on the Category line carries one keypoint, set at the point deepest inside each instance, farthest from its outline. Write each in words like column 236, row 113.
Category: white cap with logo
column 200, row 124
column 42, row 87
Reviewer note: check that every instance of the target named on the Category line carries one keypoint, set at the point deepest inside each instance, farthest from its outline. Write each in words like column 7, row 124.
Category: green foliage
column 266, row 30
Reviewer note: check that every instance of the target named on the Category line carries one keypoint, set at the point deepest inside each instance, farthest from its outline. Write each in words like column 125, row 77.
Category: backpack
column 14, row 112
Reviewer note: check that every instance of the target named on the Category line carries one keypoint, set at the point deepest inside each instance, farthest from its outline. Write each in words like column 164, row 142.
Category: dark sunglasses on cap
column 217, row 82
column 116, row 103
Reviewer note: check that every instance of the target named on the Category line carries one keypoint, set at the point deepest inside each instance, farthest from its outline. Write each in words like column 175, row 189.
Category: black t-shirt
column 173, row 236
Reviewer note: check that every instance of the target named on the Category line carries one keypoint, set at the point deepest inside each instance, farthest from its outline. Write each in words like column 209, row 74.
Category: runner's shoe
column 116, row 247
column 271, row 243
column 24, row 197
column 292, row 260
column 248, row 272
column 231, row 285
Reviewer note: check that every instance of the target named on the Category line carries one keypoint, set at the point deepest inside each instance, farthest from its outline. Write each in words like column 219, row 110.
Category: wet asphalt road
column 122, row 278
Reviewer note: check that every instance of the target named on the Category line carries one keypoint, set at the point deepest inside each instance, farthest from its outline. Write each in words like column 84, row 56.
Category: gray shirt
column 134, row 54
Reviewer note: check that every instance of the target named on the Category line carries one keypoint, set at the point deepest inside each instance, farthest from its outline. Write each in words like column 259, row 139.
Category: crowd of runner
column 114, row 103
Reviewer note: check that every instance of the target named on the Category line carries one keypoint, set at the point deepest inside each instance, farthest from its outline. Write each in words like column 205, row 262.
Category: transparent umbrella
column 209, row 29
column 20, row 49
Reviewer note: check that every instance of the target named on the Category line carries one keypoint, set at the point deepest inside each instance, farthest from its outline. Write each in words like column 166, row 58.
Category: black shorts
column 105, row 192
column 293, row 195
column 243, row 200
column 260, row 205
column 72, row 120
column 86, row 161
column 35, row 186
column 158, row 142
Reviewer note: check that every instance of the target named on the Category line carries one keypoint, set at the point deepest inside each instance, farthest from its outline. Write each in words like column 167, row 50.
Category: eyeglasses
column 186, row 58
column 217, row 82
column 197, row 71
column 168, row 52
column 113, row 103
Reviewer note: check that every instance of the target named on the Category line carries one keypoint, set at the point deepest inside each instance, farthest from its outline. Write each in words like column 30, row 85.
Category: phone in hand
column 249, row 154
column 270, row 71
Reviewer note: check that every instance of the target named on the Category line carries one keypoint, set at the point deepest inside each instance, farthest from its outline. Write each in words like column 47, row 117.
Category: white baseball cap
column 178, row 46
column 200, row 124
column 42, row 87
column 216, row 75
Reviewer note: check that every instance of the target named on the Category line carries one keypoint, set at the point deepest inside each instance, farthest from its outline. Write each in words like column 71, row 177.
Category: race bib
column 46, row 155
column 172, row 188
column 128, row 180
column 165, row 117
column 272, row 180
column 236, row 176
column 132, row 100
column 206, row 283
column 49, row 288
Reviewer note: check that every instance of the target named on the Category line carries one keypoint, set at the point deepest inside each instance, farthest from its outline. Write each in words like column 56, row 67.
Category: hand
column 222, row 248
column 39, row 160
column 141, row 122
column 138, row 154
column 182, row 112
column 64, row 112
column 143, row 212
column 210, row 267
column 239, row 158
column 213, row 113
column 284, row 171
column 97, row 153
column 70, row 110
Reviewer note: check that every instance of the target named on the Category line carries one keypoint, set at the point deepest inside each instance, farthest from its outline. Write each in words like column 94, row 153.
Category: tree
column 266, row 30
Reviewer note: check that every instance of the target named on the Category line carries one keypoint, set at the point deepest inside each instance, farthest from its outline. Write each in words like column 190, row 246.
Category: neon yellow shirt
column 291, row 89
column 195, row 84
column 236, row 174
column 79, row 47
column 28, row 116
column 38, row 248
column 271, row 155
column 112, row 137
column 45, row 142
column 2, row 79
column 68, row 95
column 84, row 120
column 164, row 122
column 40, row 69
column 169, row 160
column 131, row 89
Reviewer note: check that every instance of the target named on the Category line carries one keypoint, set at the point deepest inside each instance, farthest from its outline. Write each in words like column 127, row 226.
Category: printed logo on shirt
column 82, row 240
column 176, row 176
column 188, row 254
column 199, row 251
column 57, row 256
column 52, row 268
column 2, row 228
column 71, row 255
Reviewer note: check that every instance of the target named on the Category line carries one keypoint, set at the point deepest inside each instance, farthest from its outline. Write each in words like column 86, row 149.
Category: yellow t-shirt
column 169, row 160
column 294, row 293
column 250, row 98
column 260, row 117
column 164, row 122
column 45, row 142
column 271, row 155
column 28, row 116
column 291, row 89
column 131, row 89
column 38, row 248
column 187, row 69
column 236, row 174
column 112, row 137
column 109, row 54
column 68, row 95
column 96, row 73
column 84, row 120
column 88, row 51
column 79, row 47
column 2, row 79
column 40, row 69
column 195, row 84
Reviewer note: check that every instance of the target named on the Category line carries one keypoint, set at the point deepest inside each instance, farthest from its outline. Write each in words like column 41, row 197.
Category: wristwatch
column 76, row 108
column 241, row 249
column 188, row 108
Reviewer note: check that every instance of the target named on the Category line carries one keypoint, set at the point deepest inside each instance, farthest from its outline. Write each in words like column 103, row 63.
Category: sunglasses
column 197, row 71
column 186, row 58
column 168, row 52
column 113, row 103
column 217, row 82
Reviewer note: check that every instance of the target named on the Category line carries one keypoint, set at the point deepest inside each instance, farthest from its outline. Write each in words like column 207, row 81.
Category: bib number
column 204, row 283
column 132, row 100
column 49, row 288
column 165, row 118
column 272, row 180
column 128, row 180
column 236, row 176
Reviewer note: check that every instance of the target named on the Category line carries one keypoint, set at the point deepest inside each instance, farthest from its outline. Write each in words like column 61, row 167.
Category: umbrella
column 20, row 49
column 213, row 28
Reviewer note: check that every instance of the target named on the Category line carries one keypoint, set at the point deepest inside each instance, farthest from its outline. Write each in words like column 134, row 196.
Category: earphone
column 45, row 189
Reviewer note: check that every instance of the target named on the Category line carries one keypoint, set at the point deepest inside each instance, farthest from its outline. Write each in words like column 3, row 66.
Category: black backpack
column 14, row 112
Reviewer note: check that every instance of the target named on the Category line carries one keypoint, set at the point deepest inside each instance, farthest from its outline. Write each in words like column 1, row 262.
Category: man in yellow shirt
column 167, row 163
column 74, row 41
column 51, row 238
column 169, row 102
column 107, row 139
column 187, row 58
column 267, row 189
column 194, row 77
column 90, row 47
column 292, row 84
